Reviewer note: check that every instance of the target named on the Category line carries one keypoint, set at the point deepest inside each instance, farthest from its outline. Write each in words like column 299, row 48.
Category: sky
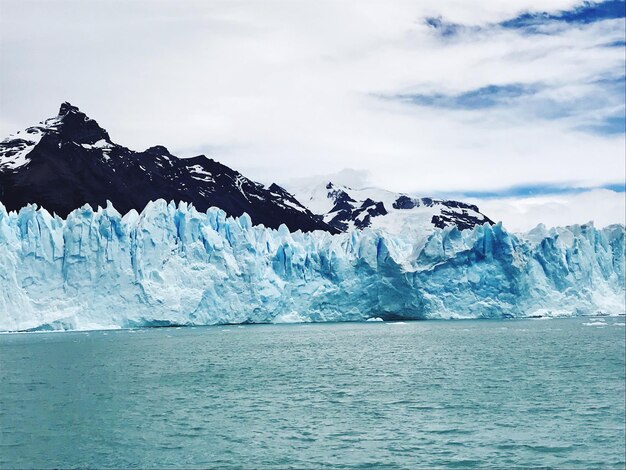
column 518, row 105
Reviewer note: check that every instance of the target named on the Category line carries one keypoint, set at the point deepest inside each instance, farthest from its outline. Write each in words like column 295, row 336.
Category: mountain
column 69, row 160
column 345, row 208
column 173, row 265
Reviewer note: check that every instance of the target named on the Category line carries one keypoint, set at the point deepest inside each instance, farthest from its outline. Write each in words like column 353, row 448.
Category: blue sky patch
column 442, row 27
column 531, row 190
column 537, row 22
column 589, row 12
column 612, row 125
column 480, row 98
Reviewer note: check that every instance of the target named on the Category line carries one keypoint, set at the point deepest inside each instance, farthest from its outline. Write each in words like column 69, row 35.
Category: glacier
column 174, row 265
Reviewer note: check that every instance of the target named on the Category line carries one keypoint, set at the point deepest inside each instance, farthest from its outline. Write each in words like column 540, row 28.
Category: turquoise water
column 423, row 394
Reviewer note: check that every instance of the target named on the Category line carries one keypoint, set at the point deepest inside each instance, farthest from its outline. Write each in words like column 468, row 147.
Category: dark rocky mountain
column 69, row 160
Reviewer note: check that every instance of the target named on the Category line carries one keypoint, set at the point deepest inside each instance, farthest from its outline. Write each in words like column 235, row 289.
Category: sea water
column 396, row 395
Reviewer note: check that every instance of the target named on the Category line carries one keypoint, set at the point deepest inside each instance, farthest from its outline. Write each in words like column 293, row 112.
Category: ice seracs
column 171, row 264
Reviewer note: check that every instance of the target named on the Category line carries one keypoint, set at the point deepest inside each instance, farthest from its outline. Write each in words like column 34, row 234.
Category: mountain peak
column 67, row 108
column 68, row 161
column 78, row 127
column 159, row 150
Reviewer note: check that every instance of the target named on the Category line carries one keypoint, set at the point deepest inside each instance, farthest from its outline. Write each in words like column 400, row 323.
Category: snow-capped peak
column 69, row 160
column 67, row 108
column 345, row 208
column 70, row 124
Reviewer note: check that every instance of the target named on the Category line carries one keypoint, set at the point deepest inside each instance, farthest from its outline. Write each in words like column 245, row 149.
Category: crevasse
column 173, row 265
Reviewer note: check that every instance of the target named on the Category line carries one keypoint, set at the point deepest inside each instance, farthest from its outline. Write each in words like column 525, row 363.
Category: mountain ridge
column 69, row 160
column 346, row 208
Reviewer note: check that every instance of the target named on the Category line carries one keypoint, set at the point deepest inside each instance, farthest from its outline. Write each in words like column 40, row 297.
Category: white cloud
column 349, row 177
column 289, row 89
column 602, row 206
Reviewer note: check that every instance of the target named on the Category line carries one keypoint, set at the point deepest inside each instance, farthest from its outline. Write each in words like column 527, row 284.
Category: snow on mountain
column 14, row 150
column 69, row 160
column 175, row 265
column 346, row 208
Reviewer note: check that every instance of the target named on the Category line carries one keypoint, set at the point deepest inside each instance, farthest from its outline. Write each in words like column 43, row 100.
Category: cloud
column 520, row 214
column 346, row 177
column 280, row 90
column 603, row 99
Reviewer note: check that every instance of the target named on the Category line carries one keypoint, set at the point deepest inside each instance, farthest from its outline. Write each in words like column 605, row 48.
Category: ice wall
column 175, row 265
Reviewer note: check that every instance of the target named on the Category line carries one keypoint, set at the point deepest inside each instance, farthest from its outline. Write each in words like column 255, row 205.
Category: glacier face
column 175, row 265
